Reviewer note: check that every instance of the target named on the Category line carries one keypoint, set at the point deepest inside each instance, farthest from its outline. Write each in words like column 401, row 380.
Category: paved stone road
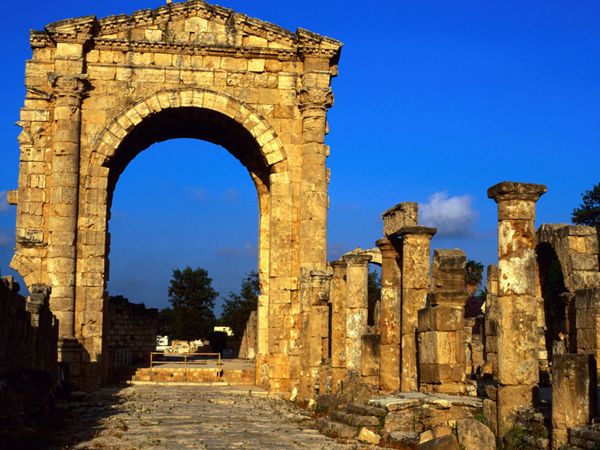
column 199, row 417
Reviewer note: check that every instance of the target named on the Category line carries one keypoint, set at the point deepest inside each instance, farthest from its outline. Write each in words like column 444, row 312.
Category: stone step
column 355, row 420
column 335, row 429
column 196, row 375
column 365, row 410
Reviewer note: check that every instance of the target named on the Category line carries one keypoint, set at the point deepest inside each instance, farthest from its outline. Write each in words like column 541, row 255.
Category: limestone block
column 573, row 394
column 517, row 341
column 510, row 398
column 441, row 347
column 473, row 435
column 400, row 216
column 442, row 373
column 440, row 318
column 369, row 355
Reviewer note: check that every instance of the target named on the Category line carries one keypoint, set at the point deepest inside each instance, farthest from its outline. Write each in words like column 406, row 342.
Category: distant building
column 227, row 330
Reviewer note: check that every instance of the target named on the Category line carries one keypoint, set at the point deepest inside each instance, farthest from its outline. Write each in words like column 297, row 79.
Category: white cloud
column 4, row 206
column 452, row 216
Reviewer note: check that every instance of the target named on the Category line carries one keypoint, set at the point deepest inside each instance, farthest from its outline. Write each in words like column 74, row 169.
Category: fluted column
column 416, row 242
column 389, row 317
column 62, row 222
column 516, row 302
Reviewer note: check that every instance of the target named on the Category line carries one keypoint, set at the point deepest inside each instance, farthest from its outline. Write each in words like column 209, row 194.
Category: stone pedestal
column 574, row 400
column 357, row 273
column 415, row 242
column 517, row 309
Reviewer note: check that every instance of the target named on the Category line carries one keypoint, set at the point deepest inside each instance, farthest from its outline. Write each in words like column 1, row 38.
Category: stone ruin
column 99, row 91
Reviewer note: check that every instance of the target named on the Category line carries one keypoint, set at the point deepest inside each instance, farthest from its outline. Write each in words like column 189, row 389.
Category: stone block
column 400, row 216
column 441, row 347
column 441, row 318
column 511, row 398
column 473, row 435
column 442, row 373
column 447, row 442
column 574, row 399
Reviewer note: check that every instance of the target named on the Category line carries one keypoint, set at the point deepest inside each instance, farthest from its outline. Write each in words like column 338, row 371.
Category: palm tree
column 473, row 276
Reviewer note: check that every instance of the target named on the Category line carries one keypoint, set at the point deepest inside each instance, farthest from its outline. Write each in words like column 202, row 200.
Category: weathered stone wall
column 130, row 333
column 587, row 321
column 576, row 247
column 28, row 330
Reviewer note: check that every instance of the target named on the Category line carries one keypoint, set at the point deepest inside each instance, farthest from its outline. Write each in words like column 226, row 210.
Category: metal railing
column 188, row 360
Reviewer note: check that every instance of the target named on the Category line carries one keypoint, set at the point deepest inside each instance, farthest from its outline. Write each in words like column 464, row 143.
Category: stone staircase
column 350, row 422
column 231, row 373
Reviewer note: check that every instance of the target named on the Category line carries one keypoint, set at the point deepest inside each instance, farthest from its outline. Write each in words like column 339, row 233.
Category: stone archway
column 101, row 90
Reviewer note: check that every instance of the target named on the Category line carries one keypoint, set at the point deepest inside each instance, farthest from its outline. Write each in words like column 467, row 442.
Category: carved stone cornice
column 315, row 98
column 73, row 86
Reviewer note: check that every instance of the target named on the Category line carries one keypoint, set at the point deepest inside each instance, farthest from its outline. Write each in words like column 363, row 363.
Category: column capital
column 357, row 259
column 511, row 190
column 338, row 264
column 417, row 230
column 315, row 98
column 64, row 85
column 388, row 250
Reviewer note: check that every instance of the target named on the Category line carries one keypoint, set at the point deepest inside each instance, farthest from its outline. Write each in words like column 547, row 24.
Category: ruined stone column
column 316, row 97
column 517, row 312
column 318, row 330
column 62, row 222
column 337, row 299
column 389, row 317
column 357, row 274
column 416, row 241
column 491, row 322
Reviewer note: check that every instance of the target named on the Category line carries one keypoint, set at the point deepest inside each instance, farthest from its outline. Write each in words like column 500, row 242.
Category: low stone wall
column 130, row 333
column 28, row 367
column 581, row 438
column 28, row 330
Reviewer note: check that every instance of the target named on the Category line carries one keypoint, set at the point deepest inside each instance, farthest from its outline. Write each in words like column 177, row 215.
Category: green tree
column 237, row 307
column 473, row 276
column 193, row 299
column 588, row 212
column 373, row 294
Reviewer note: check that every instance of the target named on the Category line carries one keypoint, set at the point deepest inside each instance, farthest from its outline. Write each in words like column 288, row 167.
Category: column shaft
column 389, row 317
column 357, row 274
column 416, row 243
column 517, row 313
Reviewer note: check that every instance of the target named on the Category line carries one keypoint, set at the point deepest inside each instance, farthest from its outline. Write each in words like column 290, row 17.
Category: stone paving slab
column 198, row 417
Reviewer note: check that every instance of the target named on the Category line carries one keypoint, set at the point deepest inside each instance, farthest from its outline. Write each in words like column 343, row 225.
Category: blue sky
column 435, row 102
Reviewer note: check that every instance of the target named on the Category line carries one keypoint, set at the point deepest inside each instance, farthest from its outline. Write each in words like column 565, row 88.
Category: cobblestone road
column 199, row 417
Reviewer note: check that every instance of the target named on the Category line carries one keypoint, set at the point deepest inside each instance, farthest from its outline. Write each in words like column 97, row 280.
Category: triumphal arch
column 99, row 91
